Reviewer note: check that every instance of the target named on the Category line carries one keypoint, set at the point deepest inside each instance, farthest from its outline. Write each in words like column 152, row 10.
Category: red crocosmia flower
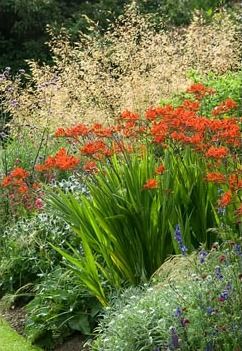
column 234, row 182
column 151, row 184
column 216, row 177
column 93, row 147
column 151, row 114
column 129, row 129
column 100, row 131
column 78, row 130
column 65, row 162
column 90, row 167
column 160, row 169
column 217, row 152
column 40, row 168
column 200, row 91
column 225, row 199
column 23, row 188
column 227, row 130
column 129, row 115
column 60, row 132
column 161, row 111
column 61, row 161
column 225, row 106
column 36, row 186
column 19, row 172
column 191, row 105
column 159, row 131
column 6, row 181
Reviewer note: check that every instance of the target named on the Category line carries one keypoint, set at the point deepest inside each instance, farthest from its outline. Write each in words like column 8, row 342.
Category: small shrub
column 26, row 254
column 201, row 310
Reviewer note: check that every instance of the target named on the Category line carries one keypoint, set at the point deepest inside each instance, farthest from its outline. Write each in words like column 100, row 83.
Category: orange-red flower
column 90, row 167
column 61, row 161
column 200, row 91
column 160, row 169
column 93, row 147
column 60, row 132
column 225, row 106
column 217, row 152
column 128, row 115
column 73, row 132
column 6, row 181
column 23, row 188
column 19, row 172
column 225, row 199
column 15, row 178
column 159, row 131
column 101, row 131
column 216, row 177
column 191, row 105
column 235, row 183
column 151, row 184
column 151, row 114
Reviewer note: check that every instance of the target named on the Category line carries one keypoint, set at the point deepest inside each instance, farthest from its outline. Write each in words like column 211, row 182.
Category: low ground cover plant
column 199, row 309
column 26, row 255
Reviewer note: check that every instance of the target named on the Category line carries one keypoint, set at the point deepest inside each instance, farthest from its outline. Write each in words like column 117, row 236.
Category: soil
column 16, row 318
column 74, row 344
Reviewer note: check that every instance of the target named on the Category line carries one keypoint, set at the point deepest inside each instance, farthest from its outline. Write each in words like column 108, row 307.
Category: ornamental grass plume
column 128, row 68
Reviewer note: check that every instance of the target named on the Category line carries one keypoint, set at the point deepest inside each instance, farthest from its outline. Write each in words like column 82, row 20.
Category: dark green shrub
column 25, row 252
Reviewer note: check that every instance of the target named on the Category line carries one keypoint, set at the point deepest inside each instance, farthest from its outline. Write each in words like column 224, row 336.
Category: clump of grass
column 131, row 66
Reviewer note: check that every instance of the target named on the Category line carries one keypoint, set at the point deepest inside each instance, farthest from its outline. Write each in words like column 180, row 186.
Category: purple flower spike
column 178, row 238
column 174, row 338
column 202, row 256
column 224, row 295
column 178, row 312
column 218, row 273
column 210, row 311
column 209, row 347
column 237, row 249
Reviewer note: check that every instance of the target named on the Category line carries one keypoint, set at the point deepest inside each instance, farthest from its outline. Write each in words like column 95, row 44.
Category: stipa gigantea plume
column 131, row 67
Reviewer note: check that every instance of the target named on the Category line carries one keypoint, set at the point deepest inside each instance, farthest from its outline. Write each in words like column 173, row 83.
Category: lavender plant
column 200, row 310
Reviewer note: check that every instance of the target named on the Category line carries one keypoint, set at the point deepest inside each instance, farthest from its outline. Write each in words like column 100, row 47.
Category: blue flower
column 237, row 249
column 174, row 338
column 224, row 295
column 210, row 310
column 202, row 256
column 218, row 273
column 178, row 312
column 221, row 211
column 178, row 238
